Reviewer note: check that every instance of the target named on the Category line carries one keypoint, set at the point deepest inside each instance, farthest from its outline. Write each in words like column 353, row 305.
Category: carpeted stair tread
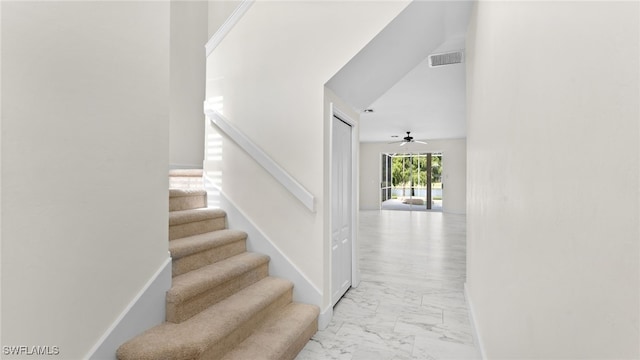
column 196, row 290
column 196, row 243
column 186, row 199
column 186, row 216
column 281, row 336
column 186, row 192
column 185, row 173
column 198, row 281
column 193, row 252
column 211, row 330
column 185, row 223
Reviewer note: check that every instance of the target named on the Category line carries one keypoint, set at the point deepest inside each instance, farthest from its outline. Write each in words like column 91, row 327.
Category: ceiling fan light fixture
column 407, row 139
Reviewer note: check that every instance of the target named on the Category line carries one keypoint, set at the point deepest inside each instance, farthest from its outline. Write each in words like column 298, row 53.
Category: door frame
column 353, row 199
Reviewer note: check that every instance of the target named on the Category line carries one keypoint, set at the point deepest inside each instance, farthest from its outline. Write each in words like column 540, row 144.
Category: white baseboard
column 325, row 317
column 146, row 310
column 474, row 323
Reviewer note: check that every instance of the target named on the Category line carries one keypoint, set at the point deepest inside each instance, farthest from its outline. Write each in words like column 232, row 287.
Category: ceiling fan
column 407, row 139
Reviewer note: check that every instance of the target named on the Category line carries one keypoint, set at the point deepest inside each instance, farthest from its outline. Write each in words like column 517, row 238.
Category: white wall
column 553, row 268
column 1, row 173
column 85, row 123
column 454, row 171
column 189, row 23
column 268, row 76
column 218, row 12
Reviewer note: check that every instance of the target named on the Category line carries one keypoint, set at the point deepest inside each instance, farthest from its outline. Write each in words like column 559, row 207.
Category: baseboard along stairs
column 222, row 303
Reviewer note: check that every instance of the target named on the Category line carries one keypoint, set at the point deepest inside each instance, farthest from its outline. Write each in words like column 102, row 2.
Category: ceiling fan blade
column 403, row 143
column 420, row 142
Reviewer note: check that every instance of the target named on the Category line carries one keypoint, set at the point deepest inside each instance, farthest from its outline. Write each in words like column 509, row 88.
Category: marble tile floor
column 410, row 303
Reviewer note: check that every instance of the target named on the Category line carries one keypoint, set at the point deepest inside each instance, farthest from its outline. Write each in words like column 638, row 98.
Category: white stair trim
column 226, row 27
column 285, row 179
column 325, row 317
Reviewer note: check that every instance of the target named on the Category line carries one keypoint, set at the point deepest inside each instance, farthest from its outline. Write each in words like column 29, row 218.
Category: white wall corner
column 474, row 324
column 325, row 317
column 146, row 310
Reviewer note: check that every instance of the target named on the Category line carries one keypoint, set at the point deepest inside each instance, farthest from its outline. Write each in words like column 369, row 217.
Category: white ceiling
column 391, row 75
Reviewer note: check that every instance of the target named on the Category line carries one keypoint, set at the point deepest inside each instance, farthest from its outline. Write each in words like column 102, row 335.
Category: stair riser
column 179, row 312
column 203, row 258
column 242, row 331
column 294, row 325
column 187, row 202
column 197, row 227
column 301, row 341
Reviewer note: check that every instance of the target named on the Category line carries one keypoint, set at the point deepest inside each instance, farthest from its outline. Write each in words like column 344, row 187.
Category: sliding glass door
column 411, row 181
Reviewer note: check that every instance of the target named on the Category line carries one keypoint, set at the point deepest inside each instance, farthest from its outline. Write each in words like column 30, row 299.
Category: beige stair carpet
column 222, row 303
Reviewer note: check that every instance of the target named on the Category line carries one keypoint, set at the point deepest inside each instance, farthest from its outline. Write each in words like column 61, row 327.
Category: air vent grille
column 446, row 59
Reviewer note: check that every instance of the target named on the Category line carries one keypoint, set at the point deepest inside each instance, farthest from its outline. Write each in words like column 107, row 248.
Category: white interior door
column 341, row 242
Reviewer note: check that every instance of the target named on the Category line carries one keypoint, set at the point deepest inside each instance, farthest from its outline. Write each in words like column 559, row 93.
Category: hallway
column 410, row 302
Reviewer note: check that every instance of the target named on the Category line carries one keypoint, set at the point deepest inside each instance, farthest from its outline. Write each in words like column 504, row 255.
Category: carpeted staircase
column 222, row 303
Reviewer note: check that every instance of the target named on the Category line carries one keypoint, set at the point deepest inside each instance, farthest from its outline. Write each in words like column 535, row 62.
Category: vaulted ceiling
column 392, row 76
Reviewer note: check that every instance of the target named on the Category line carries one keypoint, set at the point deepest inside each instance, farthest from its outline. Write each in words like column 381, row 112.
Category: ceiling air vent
column 455, row 57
